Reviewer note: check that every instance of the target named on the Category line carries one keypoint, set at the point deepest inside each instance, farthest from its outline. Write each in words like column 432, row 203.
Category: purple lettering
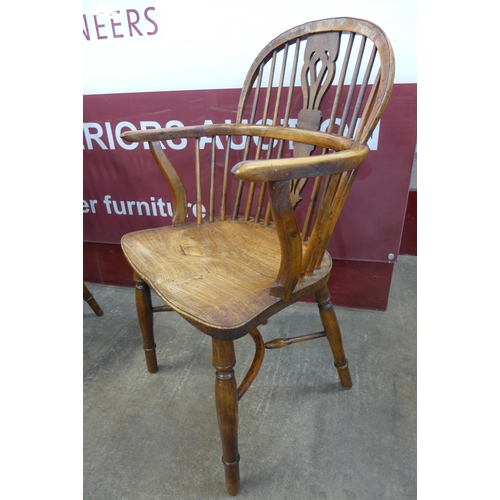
column 151, row 21
column 86, row 33
column 132, row 24
column 114, row 24
column 97, row 26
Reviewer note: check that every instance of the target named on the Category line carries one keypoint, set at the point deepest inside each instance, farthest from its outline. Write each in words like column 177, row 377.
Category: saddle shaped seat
column 217, row 275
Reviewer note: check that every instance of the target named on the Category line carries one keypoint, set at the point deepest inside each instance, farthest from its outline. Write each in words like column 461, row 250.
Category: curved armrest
column 303, row 167
column 320, row 139
column 347, row 155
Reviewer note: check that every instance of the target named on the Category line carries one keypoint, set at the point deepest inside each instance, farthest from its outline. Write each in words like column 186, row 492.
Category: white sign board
column 155, row 45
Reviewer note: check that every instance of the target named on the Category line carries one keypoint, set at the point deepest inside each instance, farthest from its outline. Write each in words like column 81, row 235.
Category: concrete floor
column 149, row 437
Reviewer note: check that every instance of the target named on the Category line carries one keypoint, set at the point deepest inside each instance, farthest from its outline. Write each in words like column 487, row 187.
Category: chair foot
column 232, row 474
column 344, row 375
column 226, row 400
column 145, row 318
column 332, row 330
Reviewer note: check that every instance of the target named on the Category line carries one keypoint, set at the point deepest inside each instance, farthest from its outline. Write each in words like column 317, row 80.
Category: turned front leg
column 332, row 330
column 226, row 401
column 145, row 318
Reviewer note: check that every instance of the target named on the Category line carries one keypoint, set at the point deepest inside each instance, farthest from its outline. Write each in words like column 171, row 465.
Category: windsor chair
column 267, row 205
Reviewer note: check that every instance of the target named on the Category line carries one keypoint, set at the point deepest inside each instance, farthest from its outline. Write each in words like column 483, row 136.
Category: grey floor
column 149, row 437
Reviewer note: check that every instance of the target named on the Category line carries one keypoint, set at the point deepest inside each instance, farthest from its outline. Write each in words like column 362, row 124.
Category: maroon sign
column 123, row 189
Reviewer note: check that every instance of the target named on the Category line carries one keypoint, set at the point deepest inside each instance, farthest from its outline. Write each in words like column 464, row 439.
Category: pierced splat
column 320, row 55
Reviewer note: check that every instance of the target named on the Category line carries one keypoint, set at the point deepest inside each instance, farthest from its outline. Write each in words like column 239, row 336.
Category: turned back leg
column 145, row 318
column 332, row 330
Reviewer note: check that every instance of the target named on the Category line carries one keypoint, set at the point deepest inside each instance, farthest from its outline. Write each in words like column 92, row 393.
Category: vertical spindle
column 198, row 183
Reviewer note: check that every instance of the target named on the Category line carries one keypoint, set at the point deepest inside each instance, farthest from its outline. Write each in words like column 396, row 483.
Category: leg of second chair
column 332, row 330
column 89, row 298
column 145, row 317
column 226, row 400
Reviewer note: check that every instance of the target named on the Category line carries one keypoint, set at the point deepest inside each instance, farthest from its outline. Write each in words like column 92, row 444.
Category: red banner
column 124, row 190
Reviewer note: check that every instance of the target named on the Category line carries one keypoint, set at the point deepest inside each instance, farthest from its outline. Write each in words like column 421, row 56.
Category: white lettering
column 240, row 141
column 161, row 206
column 89, row 206
column 140, row 206
column 96, row 136
column 203, row 211
column 208, row 140
column 258, row 140
column 109, row 132
column 120, row 211
column 172, row 144
column 155, row 208
column 107, row 202
column 118, row 131
column 145, row 126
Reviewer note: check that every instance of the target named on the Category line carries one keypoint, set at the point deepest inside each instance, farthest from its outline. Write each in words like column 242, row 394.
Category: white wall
column 201, row 45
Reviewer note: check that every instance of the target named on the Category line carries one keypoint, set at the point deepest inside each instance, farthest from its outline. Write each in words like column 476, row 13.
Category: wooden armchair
column 257, row 246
